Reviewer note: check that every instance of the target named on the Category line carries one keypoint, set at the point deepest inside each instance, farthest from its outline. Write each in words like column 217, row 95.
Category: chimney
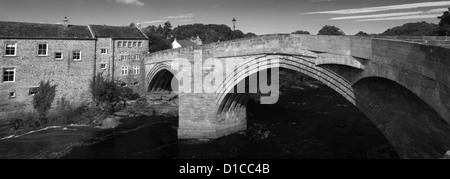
column 65, row 22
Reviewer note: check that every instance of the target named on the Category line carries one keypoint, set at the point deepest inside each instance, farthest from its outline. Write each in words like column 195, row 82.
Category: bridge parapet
column 430, row 40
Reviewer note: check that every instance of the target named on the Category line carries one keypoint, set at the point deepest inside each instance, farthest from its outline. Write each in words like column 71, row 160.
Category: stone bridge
column 402, row 87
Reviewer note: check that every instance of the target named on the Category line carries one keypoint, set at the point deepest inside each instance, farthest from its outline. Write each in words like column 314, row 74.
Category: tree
column 209, row 33
column 249, row 35
column 167, row 29
column 413, row 29
column 109, row 92
column 361, row 33
column 444, row 24
column 160, row 29
column 43, row 99
column 330, row 30
column 301, row 32
column 158, row 37
column 158, row 42
column 132, row 24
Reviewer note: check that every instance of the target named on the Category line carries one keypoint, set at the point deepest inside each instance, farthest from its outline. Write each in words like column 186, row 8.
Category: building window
column 136, row 69
column 12, row 95
column 9, row 74
column 130, row 44
column 136, row 83
column 124, row 44
column 102, row 66
column 125, row 70
column 42, row 49
column 134, row 44
column 76, row 55
column 58, row 55
column 11, row 49
column 119, row 44
column 33, row 90
column 137, row 57
column 104, row 51
column 123, row 57
column 140, row 44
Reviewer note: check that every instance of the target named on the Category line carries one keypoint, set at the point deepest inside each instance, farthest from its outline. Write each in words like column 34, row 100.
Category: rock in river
column 110, row 122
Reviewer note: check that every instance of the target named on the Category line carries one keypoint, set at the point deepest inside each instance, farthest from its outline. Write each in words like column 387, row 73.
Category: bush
column 330, row 30
column 110, row 92
column 42, row 101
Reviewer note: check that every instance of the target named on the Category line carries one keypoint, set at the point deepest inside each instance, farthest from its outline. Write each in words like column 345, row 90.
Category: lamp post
column 234, row 27
column 234, row 24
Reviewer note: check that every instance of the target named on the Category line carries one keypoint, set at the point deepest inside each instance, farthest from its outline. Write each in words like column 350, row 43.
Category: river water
column 311, row 122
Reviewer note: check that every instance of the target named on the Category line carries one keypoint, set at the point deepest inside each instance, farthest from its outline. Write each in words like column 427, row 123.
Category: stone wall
column 133, row 81
column 72, row 77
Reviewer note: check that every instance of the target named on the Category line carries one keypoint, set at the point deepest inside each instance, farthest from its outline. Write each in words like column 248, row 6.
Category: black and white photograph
column 192, row 81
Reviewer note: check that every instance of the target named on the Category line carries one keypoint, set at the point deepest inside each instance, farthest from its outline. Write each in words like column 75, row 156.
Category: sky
column 257, row 16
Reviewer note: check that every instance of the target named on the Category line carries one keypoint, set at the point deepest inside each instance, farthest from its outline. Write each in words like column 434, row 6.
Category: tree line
column 162, row 36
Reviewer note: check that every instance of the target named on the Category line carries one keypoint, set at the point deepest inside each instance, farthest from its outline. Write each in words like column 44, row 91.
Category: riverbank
column 20, row 140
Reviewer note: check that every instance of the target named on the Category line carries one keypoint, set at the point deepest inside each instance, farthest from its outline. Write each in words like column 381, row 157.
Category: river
column 310, row 122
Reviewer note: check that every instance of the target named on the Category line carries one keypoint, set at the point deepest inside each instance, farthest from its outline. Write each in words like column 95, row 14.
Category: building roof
column 186, row 43
column 9, row 29
column 117, row 32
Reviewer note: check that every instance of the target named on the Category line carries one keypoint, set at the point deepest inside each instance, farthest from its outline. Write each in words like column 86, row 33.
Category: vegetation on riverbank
column 107, row 97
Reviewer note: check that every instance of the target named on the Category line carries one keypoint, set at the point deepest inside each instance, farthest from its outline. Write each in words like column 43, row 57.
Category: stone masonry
column 403, row 87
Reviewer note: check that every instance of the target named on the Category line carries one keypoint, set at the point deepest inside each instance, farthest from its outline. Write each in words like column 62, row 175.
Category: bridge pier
column 198, row 118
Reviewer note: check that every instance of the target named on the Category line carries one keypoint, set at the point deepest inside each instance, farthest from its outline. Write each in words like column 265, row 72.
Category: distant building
column 186, row 43
column 120, row 53
column 67, row 55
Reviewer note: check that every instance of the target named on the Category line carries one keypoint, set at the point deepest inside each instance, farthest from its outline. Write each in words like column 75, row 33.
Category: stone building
column 120, row 52
column 68, row 56
column 194, row 41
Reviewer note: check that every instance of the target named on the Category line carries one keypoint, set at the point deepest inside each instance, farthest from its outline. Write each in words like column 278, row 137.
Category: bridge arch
column 400, row 114
column 160, row 78
column 413, row 127
column 303, row 65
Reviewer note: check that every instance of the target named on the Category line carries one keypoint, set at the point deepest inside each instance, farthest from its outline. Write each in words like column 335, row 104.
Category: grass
column 21, row 122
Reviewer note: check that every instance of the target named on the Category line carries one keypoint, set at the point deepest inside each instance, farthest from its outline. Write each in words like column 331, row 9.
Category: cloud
column 425, row 16
column 130, row 2
column 394, row 16
column 153, row 22
column 377, row 15
column 180, row 16
column 321, row 0
column 383, row 8
column 215, row 6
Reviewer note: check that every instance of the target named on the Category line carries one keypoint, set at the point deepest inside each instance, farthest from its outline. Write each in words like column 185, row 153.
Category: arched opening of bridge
column 414, row 128
column 163, row 89
column 310, row 120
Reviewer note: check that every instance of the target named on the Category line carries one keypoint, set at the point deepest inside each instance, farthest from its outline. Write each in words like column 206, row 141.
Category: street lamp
column 234, row 24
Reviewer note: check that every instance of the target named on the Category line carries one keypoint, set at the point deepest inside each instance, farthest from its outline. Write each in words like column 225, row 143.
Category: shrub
column 110, row 92
column 42, row 101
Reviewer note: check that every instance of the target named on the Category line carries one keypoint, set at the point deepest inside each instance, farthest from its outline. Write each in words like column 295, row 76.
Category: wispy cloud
column 426, row 16
column 130, row 2
column 180, row 16
column 153, row 22
column 394, row 16
column 377, row 15
column 383, row 8
column 321, row 0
